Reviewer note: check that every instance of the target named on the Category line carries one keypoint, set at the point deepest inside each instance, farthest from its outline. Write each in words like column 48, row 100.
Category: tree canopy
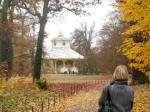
column 137, row 46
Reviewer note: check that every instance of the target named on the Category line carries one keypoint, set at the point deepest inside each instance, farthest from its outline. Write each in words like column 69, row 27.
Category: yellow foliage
column 139, row 52
column 137, row 12
column 19, row 93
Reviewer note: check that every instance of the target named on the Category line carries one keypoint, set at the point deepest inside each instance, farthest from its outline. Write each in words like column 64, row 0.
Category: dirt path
column 84, row 101
column 88, row 101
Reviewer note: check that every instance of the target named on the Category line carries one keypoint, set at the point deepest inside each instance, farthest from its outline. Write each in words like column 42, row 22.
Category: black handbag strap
column 108, row 94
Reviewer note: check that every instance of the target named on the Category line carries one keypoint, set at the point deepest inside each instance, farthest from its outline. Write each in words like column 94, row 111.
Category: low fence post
column 67, row 92
column 32, row 109
column 48, row 104
column 81, row 87
column 59, row 97
column 42, row 107
column 86, row 86
column 70, row 90
column 74, row 89
column 77, row 88
column 54, row 99
column 2, row 108
column 63, row 94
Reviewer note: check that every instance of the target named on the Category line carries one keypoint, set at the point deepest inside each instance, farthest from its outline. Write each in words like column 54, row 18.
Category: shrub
column 42, row 84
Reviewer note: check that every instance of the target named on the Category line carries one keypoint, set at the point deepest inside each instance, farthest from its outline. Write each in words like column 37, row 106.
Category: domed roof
column 60, row 37
column 60, row 51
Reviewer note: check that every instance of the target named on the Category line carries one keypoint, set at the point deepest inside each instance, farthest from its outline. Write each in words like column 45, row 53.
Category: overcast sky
column 67, row 23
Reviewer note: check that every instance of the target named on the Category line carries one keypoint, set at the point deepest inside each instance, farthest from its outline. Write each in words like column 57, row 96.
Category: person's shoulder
column 105, row 88
column 130, row 89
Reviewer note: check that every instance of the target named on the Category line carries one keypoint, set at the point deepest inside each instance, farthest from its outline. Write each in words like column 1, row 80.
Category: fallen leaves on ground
column 142, row 98
column 82, row 102
column 88, row 101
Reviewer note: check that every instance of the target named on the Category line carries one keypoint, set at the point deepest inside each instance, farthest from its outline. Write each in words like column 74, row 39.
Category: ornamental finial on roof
column 60, row 34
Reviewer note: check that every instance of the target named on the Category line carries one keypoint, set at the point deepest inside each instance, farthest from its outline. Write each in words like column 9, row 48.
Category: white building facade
column 62, row 58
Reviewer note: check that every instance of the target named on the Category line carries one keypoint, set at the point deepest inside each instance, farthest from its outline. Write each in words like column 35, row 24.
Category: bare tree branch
column 24, row 6
column 75, row 11
column 35, row 9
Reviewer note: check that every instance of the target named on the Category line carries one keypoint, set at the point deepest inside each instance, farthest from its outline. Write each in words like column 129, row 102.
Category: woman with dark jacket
column 121, row 95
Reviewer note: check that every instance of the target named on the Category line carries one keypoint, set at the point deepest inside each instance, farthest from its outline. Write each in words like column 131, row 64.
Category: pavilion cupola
column 61, row 41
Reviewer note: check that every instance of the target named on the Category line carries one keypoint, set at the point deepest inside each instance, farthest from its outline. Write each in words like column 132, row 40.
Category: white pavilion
column 62, row 58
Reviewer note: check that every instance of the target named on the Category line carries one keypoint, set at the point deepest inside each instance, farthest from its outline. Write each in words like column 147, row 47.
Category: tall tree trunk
column 6, row 49
column 38, row 56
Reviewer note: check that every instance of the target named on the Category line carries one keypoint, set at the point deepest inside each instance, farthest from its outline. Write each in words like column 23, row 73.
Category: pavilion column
column 55, row 66
column 74, row 63
column 64, row 63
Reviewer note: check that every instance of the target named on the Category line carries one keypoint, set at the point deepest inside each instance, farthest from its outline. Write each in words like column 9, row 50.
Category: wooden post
column 81, row 87
column 86, row 86
column 32, row 109
column 70, row 91
column 88, row 83
column 48, row 104
column 67, row 93
column 74, row 89
column 42, row 107
column 54, row 100
column 59, row 98
column 63, row 94
column 2, row 108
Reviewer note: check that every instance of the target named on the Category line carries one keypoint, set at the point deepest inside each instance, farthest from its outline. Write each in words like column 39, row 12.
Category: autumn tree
column 49, row 9
column 24, row 44
column 7, row 29
column 82, row 43
column 15, row 41
column 137, row 46
column 23, row 54
column 110, row 39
